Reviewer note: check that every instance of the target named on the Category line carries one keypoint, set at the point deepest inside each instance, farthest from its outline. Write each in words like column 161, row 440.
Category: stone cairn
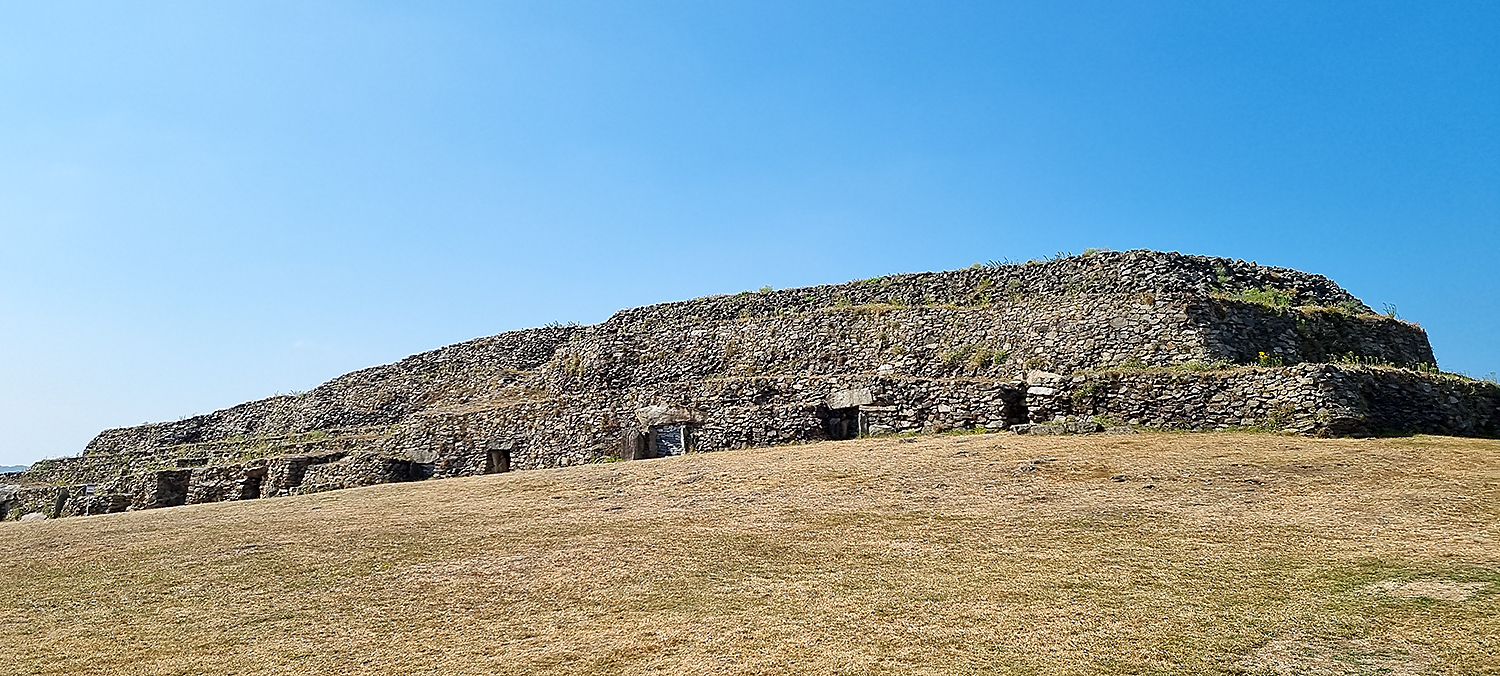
column 1115, row 341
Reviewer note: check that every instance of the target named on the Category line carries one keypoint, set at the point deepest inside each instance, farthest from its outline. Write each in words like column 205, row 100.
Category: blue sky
column 207, row 203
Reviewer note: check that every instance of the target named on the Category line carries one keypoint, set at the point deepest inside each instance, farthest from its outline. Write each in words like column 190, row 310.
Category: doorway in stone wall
column 841, row 423
column 171, row 488
column 670, row 440
column 250, row 488
column 497, row 457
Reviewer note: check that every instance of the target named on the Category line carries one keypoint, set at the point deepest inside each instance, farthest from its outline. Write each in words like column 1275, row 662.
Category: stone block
column 850, row 398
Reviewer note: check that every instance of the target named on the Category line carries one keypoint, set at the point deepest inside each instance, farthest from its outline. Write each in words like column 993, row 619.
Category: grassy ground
column 1150, row 554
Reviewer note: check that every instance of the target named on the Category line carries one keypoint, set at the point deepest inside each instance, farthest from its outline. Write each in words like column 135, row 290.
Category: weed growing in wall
column 1222, row 275
column 1107, row 421
column 1083, row 395
column 1352, row 359
column 976, row 357
column 1350, row 307
column 1267, row 296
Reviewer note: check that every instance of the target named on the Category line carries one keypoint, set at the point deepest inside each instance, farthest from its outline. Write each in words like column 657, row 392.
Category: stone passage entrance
column 842, row 423
column 250, row 485
column 171, row 488
column 670, row 440
column 840, row 413
column 497, row 456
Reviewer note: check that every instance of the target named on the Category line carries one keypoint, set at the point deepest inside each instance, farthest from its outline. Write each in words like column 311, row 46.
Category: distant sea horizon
column 14, row 468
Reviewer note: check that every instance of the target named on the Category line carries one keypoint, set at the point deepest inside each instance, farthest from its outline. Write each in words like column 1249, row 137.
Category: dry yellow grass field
column 1144, row 554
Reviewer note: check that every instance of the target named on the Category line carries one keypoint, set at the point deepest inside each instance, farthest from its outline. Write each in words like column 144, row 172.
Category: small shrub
column 1269, row 297
column 1084, row 394
column 1268, row 360
column 1350, row 307
column 1107, row 420
column 1222, row 275
column 1277, row 418
column 1390, row 311
column 976, row 357
column 1352, row 359
column 957, row 355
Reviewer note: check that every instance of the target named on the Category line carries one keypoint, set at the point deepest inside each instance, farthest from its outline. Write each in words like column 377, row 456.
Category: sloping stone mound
column 1074, row 345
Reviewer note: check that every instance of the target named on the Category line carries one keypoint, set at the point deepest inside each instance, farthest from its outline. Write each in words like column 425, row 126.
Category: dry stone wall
column 1135, row 338
column 380, row 395
column 1004, row 339
column 723, row 414
column 1125, row 274
column 1321, row 399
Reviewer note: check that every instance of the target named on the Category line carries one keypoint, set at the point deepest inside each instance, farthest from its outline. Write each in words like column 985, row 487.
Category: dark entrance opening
column 171, row 488
column 842, row 423
column 497, row 457
column 250, row 488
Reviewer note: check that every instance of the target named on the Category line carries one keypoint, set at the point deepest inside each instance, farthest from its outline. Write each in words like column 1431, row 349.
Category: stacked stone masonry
column 1120, row 339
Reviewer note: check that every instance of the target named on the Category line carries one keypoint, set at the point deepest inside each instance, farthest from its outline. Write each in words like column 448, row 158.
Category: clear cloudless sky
column 204, row 203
